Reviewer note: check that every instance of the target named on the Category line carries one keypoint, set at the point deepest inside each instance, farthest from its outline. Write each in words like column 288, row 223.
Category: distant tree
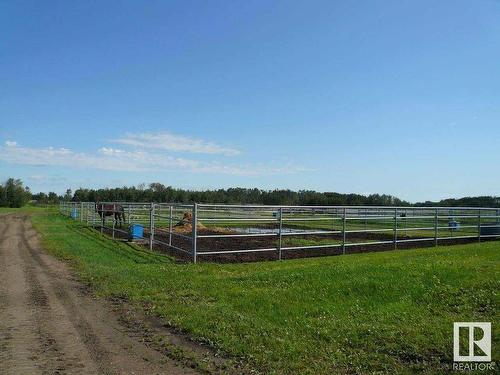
column 53, row 197
column 481, row 201
column 81, row 195
column 13, row 194
column 3, row 196
column 68, row 195
column 40, row 198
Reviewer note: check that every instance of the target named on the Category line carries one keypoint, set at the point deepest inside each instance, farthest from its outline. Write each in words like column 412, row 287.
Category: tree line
column 14, row 194
column 157, row 192
column 482, row 201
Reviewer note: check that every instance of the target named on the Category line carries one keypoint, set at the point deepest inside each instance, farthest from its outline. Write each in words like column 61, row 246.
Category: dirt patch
column 183, row 241
column 50, row 323
column 185, row 225
column 246, row 243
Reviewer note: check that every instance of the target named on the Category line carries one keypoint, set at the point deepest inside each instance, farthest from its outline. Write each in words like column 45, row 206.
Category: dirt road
column 49, row 325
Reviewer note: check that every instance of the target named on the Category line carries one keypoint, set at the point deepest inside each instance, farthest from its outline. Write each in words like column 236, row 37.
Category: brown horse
column 107, row 209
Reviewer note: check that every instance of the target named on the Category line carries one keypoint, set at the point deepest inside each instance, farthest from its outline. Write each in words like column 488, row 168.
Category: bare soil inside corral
column 265, row 242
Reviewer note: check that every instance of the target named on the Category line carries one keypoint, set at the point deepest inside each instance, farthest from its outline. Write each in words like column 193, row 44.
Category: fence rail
column 207, row 230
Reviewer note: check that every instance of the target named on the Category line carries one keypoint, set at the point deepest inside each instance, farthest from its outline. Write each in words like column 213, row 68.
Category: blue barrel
column 135, row 231
column 74, row 213
column 453, row 225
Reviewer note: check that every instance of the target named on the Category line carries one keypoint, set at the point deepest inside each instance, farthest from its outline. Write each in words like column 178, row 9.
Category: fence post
column 151, row 225
column 395, row 229
column 479, row 226
column 194, row 226
column 406, row 222
column 344, row 224
column 280, row 213
column 113, row 217
column 436, row 222
column 170, row 226
column 103, row 219
column 451, row 218
column 81, row 211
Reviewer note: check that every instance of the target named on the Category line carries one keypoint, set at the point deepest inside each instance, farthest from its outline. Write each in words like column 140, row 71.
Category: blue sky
column 397, row 97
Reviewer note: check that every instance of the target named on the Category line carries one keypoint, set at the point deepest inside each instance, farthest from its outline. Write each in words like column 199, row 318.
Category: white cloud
column 40, row 178
column 172, row 142
column 10, row 143
column 110, row 151
column 107, row 158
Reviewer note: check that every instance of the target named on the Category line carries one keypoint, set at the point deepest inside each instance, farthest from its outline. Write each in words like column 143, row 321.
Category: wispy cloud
column 110, row 151
column 107, row 158
column 171, row 142
column 43, row 179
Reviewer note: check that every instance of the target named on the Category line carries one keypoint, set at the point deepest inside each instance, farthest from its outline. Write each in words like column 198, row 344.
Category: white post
column 436, row 224
column 395, row 229
column 344, row 225
column 151, row 225
column 479, row 226
column 280, row 213
column 170, row 226
column 194, row 226
column 113, row 217
column 103, row 219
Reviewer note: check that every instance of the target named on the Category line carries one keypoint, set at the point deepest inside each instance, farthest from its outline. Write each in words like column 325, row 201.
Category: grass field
column 27, row 209
column 389, row 312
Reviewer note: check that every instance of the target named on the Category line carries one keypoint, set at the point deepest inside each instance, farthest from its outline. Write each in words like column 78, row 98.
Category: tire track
column 52, row 356
column 19, row 342
column 5, row 330
column 49, row 325
column 91, row 341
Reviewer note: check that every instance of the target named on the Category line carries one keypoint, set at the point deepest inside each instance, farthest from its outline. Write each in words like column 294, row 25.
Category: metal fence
column 241, row 232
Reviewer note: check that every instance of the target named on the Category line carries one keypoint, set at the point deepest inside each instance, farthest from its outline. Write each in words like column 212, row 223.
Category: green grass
column 7, row 210
column 389, row 312
column 25, row 209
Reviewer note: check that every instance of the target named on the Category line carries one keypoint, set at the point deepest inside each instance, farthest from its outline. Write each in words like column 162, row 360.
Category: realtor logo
column 472, row 342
